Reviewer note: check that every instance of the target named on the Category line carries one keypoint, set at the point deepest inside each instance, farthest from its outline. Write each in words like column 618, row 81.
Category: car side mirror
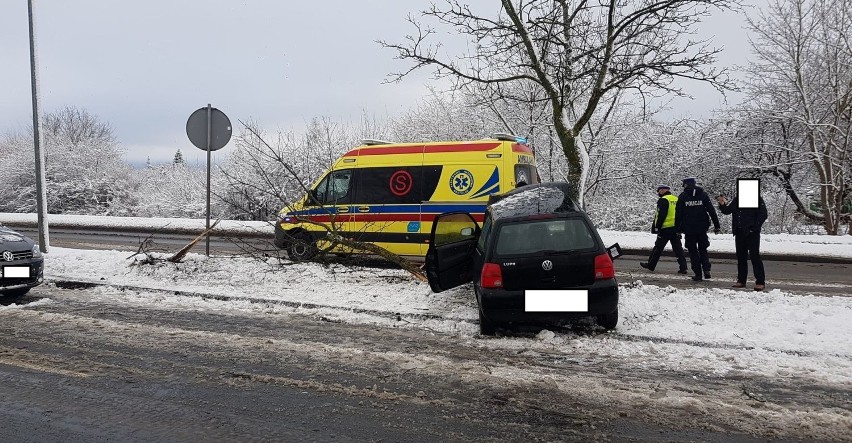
column 614, row 251
column 467, row 232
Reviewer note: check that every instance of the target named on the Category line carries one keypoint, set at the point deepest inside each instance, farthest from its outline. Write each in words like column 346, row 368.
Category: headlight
column 36, row 252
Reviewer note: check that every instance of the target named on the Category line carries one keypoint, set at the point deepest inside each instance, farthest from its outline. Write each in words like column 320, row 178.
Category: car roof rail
column 373, row 142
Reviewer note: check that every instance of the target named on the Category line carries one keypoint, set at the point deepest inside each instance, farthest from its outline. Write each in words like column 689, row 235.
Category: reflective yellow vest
column 669, row 222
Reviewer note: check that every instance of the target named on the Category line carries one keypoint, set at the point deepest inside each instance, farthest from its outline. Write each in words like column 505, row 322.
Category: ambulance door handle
column 363, row 209
column 343, row 209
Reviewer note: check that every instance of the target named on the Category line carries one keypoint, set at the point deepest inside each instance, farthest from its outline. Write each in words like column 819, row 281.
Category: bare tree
column 801, row 100
column 174, row 190
column 574, row 54
column 277, row 175
column 262, row 177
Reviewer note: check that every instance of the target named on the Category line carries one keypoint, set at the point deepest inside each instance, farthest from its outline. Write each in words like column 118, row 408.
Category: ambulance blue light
column 521, row 140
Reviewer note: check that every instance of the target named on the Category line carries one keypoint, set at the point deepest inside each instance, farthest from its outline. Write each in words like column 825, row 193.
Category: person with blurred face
column 746, row 224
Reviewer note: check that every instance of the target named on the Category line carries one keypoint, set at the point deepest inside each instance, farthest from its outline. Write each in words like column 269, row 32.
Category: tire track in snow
column 398, row 316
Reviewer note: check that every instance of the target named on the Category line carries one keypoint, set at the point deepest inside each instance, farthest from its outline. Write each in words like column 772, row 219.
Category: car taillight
column 603, row 267
column 492, row 276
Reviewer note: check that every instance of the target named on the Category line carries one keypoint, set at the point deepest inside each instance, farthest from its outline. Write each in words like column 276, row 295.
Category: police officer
column 693, row 214
column 746, row 224
column 664, row 227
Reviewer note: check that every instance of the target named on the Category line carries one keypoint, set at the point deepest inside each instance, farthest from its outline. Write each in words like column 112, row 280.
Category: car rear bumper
column 508, row 306
column 36, row 276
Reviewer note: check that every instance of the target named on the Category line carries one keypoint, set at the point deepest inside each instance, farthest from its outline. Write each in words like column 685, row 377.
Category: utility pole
column 41, row 191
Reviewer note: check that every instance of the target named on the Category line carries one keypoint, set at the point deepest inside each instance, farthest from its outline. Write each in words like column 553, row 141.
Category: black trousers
column 748, row 245
column 667, row 235
column 697, row 245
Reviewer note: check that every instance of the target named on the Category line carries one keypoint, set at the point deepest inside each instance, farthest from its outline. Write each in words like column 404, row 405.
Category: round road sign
column 220, row 129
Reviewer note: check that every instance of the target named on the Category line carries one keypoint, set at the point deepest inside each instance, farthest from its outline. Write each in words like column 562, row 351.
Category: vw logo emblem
column 547, row 265
column 7, row 256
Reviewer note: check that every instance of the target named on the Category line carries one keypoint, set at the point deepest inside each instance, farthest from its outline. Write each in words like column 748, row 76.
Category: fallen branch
column 407, row 265
column 179, row 255
column 144, row 246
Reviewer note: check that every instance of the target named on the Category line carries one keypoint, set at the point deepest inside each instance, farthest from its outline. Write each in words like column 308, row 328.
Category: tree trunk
column 568, row 141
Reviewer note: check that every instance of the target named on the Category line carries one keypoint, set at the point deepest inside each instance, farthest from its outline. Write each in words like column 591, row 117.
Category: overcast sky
column 145, row 66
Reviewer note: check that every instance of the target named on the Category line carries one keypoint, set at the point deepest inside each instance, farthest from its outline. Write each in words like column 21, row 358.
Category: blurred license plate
column 16, row 272
column 556, row 300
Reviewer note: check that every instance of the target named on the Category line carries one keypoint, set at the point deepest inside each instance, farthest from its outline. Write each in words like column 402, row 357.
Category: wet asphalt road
column 88, row 366
column 91, row 366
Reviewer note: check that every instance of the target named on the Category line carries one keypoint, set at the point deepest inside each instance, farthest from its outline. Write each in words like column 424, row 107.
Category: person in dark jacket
column 664, row 227
column 746, row 224
column 693, row 214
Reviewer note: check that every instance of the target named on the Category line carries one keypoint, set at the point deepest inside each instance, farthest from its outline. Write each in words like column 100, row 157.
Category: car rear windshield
column 548, row 235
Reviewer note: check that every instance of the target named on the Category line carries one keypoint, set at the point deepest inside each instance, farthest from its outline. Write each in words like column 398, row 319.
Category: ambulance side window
column 396, row 184
column 334, row 188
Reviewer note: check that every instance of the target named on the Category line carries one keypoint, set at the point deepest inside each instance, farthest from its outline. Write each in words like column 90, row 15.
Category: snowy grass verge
column 714, row 331
column 141, row 223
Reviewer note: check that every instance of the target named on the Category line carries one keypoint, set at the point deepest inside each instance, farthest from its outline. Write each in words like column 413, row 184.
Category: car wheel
column 608, row 321
column 302, row 247
column 15, row 293
column 486, row 326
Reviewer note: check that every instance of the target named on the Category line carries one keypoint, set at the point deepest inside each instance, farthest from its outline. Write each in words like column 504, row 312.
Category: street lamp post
column 41, row 196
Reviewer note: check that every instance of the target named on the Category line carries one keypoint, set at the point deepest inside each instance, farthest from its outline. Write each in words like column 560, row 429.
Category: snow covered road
column 717, row 331
column 141, row 365
column 774, row 364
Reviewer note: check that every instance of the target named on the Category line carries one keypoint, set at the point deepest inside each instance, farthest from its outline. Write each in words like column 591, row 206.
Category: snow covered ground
column 709, row 331
column 152, row 223
column 781, row 244
column 712, row 331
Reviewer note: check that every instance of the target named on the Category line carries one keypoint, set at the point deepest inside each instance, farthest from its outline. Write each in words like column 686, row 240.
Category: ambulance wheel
column 302, row 247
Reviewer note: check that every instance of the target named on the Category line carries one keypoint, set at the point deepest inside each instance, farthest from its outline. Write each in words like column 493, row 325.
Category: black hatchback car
column 536, row 259
column 21, row 263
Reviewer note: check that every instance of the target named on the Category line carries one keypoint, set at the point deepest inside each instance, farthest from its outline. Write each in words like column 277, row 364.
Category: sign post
column 209, row 129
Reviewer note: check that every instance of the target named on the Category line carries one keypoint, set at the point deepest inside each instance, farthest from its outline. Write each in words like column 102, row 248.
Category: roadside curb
column 66, row 283
column 215, row 233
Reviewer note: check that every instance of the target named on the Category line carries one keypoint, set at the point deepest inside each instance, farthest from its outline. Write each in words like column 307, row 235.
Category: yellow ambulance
column 389, row 193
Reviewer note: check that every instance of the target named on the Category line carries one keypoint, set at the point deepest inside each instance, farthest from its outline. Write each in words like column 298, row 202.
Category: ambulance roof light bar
column 509, row 137
column 372, row 142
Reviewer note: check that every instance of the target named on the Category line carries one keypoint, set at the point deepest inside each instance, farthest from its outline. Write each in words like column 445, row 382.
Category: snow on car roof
column 538, row 200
